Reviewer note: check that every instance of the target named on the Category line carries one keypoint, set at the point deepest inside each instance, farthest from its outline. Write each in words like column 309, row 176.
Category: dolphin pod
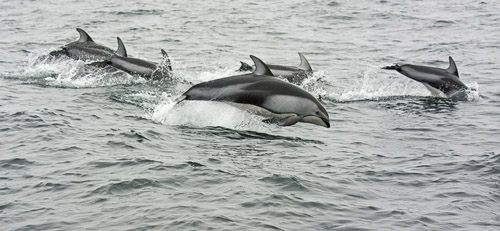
column 263, row 91
column 87, row 50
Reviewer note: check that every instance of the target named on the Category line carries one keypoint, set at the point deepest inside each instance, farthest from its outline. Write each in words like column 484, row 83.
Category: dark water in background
column 81, row 149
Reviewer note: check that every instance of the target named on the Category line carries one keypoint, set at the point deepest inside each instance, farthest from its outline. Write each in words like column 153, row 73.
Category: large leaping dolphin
column 290, row 73
column 137, row 66
column 84, row 49
column 438, row 81
column 263, row 94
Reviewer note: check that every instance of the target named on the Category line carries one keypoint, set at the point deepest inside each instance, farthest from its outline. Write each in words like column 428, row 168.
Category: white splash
column 205, row 113
column 65, row 72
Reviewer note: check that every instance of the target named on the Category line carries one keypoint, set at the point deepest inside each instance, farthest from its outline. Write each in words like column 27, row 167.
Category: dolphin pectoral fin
column 121, row 51
column 291, row 120
column 84, row 37
column 245, row 67
column 453, row 67
column 288, row 121
column 304, row 64
column 260, row 67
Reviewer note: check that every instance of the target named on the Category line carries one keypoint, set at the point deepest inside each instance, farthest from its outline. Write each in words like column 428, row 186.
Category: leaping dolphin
column 137, row 66
column 261, row 93
column 290, row 73
column 84, row 49
column 437, row 80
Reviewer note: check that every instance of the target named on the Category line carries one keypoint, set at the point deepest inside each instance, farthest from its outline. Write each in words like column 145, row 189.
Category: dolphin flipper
column 84, row 37
column 453, row 67
column 260, row 67
column 304, row 64
column 121, row 51
column 288, row 121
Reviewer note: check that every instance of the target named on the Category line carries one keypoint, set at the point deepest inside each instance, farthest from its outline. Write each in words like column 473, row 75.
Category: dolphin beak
column 327, row 122
column 318, row 120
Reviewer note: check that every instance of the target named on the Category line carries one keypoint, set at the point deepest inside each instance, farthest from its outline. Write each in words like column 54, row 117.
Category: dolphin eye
column 317, row 113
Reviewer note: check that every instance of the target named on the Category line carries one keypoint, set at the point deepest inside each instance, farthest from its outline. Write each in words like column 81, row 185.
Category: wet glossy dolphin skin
column 261, row 93
column 438, row 81
column 137, row 66
column 84, row 49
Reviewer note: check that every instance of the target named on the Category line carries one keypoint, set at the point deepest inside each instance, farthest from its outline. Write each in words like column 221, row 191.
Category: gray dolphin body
column 437, row 80
column 84, row 49
column 263, row 94
column 137, row 66
column 290, row 73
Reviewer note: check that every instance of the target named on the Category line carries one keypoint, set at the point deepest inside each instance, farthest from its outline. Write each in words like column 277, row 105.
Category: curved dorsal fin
column 453, row 67
column 166, row 59
column 84, row 37
column 304, row 64
column 121, row 51
column 164, row 53
column 260, row 67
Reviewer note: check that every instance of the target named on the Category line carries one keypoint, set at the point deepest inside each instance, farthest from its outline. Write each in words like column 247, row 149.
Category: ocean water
column 89, row 149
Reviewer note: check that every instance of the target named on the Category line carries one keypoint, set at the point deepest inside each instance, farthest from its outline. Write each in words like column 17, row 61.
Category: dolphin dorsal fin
column 84, row 37
column 453, row 67
column 260, row 67
column 121, row 51
column 164, row 53
column 304, row 64
column 166, row 59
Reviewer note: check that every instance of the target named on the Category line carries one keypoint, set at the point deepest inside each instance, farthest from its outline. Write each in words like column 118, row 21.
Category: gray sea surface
column 92, row 149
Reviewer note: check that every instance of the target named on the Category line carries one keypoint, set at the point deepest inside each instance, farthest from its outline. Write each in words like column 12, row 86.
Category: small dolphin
column 84, row 49
column 137, row 66
column 290, row 73
column 263, row 94
column 438, row 81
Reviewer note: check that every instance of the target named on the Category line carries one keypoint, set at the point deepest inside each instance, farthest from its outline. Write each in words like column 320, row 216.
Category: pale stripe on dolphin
column 437, row 80
column 84, row 49
column 261, row 93
column 137, row 66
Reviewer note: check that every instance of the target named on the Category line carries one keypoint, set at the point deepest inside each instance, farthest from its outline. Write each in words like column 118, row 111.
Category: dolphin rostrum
column 437, row 80
column 263, row 94
column 84, row 49
column 290, row 73
column 137, row 66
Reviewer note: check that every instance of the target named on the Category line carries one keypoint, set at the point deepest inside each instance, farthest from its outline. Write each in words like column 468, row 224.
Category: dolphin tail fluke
column 304, row 64
column 245, row 67
column 121, row 51
column 84, row 37
column 393, row 67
